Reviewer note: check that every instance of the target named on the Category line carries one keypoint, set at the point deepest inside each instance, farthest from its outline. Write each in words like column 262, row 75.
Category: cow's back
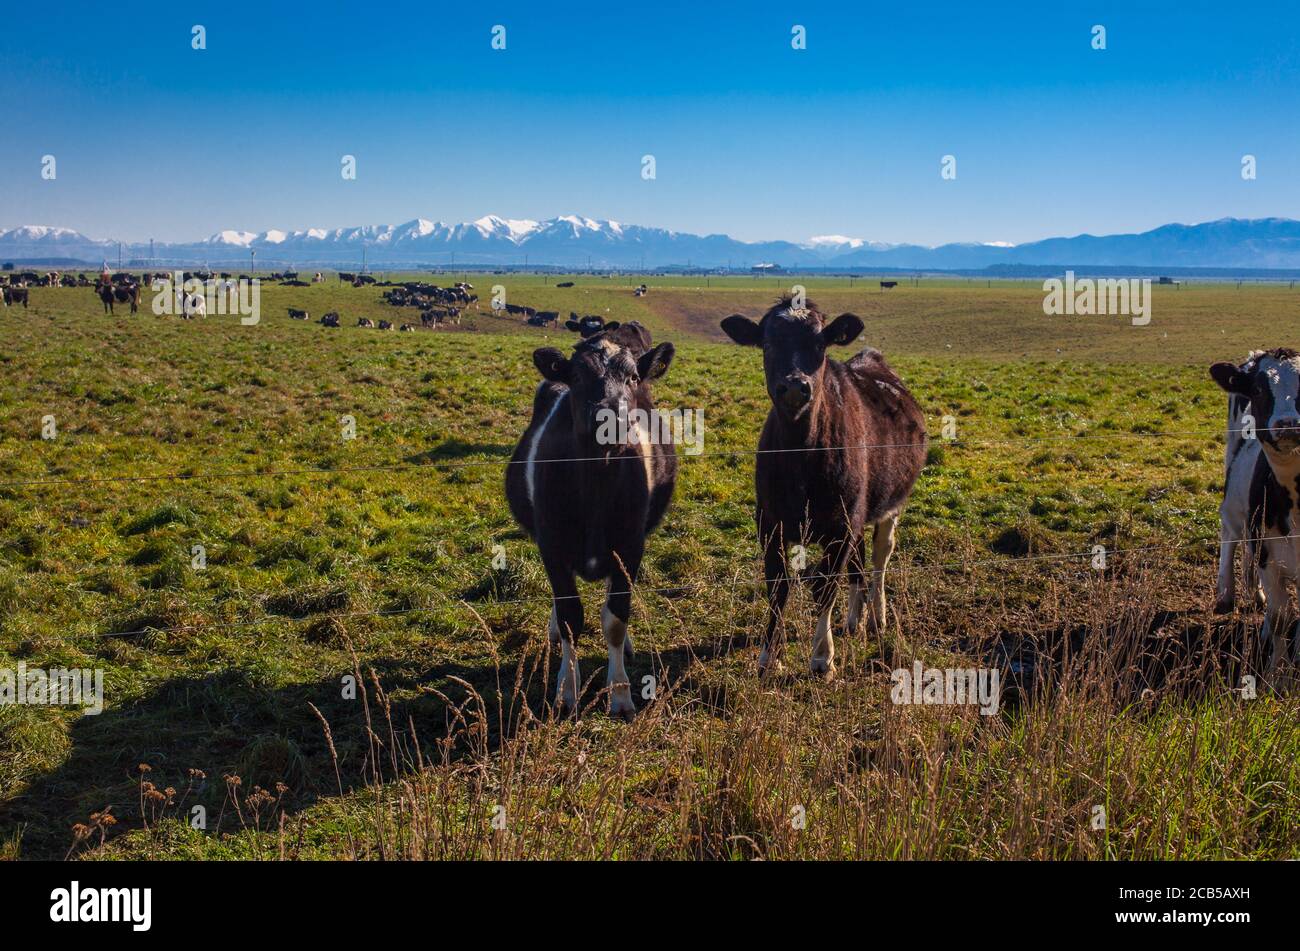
column 895, row 431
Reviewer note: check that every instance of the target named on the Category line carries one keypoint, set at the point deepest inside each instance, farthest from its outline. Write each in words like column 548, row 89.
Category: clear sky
column 751, row 137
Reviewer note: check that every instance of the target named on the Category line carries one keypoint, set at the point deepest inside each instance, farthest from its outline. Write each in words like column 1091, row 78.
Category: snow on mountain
column 834, row 240
column 576, row 241
column 239, row 239
column 39, row 233
column 515, row 229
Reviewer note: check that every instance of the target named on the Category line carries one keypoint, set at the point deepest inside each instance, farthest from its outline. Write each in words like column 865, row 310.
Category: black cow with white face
column 1263, row 482
column 588, row 500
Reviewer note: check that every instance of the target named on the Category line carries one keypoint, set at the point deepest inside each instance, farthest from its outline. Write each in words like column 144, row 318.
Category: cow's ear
column 844, row 329
column 655, row 364
column 743, row 330
column 573, row 325
column 612, row 325
column 552, row 364
column 1230, row 377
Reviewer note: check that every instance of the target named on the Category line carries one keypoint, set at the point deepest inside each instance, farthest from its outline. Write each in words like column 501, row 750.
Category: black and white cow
column 589, row 501
column 1234, row 514
column 841, row 449
column 1263, row 484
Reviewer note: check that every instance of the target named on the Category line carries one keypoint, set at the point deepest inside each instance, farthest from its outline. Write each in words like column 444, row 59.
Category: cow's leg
column 857, row 566
column 1277, row 614
column 566, row 625
column 882, row 549
column 824, row 585
column 778, row 589
column 1224, row 593
column 613, row 621
column 1250, row 574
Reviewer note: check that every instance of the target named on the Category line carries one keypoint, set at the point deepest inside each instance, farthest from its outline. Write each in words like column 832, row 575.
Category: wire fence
column 451, row 465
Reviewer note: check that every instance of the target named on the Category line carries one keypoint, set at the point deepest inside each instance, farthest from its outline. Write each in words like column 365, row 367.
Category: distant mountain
column 573, row 241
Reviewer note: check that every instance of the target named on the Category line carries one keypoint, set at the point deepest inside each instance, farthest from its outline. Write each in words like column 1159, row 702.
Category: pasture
column 391, row 558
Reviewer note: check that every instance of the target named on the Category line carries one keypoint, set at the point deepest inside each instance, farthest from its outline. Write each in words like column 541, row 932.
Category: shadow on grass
column 460, row 449
column 229, row 723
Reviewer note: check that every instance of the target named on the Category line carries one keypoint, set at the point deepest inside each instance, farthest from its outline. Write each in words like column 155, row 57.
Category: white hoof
column 566, row 679
column 620, row 701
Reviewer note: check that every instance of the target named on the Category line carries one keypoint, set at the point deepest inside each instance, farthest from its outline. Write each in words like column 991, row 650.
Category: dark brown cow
column 15, row 295
column 128, row 294
column 841, row 449
column 588, row 502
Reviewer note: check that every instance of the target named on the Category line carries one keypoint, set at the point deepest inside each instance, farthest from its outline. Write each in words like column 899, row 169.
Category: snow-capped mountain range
column 574, row 241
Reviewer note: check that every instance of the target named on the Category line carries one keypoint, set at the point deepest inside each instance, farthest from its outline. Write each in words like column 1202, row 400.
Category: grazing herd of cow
column 126, row 287
column 332, row 319
column 438, row 306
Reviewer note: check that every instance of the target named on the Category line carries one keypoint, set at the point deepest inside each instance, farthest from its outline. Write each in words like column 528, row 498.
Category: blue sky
column 751, row 138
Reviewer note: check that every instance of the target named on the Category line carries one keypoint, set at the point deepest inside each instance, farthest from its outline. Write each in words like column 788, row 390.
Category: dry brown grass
column 1132, row 710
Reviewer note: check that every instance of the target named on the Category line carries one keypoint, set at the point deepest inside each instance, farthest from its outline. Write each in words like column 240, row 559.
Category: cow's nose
column 793, row 391
column 1289, row 425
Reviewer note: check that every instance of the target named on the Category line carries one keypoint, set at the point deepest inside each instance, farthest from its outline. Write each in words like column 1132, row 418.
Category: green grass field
column 373, row 557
